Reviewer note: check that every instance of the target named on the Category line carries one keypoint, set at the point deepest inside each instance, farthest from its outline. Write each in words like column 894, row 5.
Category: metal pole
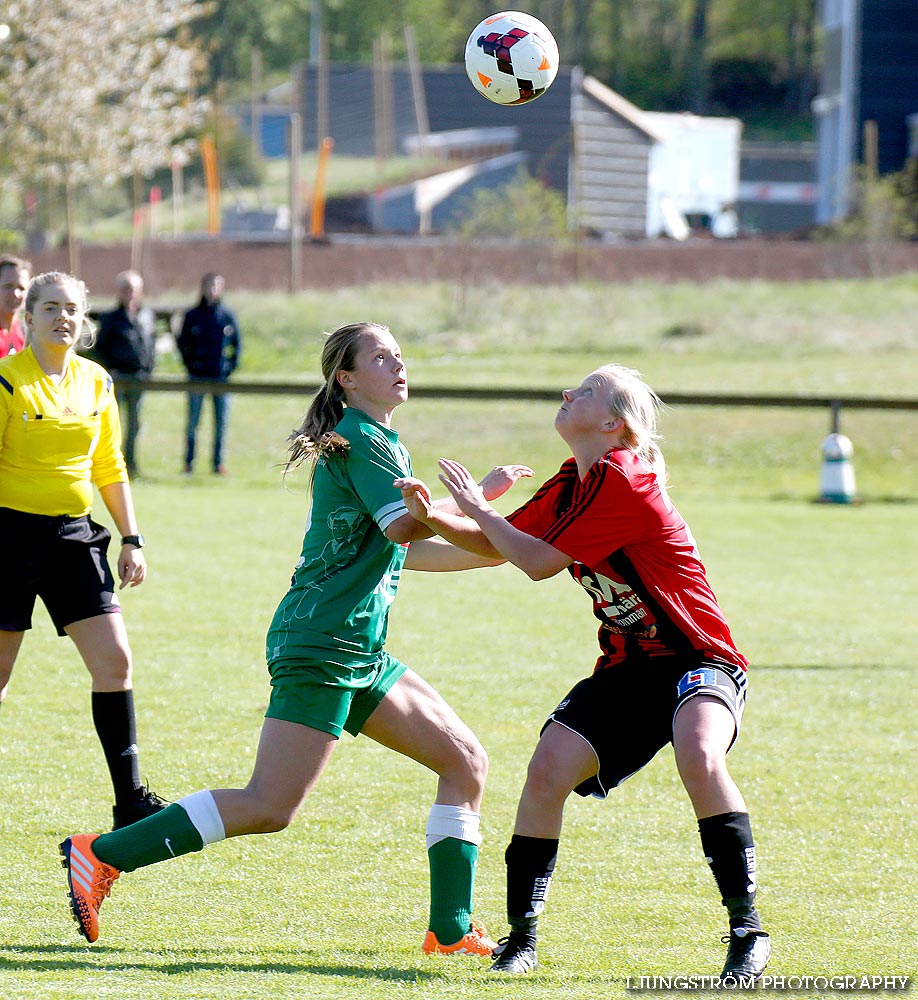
column 417, row 85
column 871, row 148
column 296, row 201
column 377, row 100
column 298, row 97
column 315, row 31
column 388, row 96
column 257, row 68
column 322, row 92
column 178, row 194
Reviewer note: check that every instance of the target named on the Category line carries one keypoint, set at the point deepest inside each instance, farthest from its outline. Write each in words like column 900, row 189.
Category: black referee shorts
column 626, row 712
column 62, row 560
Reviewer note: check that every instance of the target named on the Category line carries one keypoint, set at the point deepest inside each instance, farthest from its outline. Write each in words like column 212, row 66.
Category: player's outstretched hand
column 416, row 496
column 496, row 483
column 462, row 486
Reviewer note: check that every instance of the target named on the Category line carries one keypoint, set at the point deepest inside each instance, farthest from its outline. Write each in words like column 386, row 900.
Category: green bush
column 11, row 241
column 881, row 209
column 523, row 209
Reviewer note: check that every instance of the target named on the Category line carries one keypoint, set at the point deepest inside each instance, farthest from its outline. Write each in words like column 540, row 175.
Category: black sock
column 530, row 864
column 113, row 717
column 729, row 849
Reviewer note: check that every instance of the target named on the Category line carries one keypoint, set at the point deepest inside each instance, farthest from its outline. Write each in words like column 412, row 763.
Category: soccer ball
column 511, row 58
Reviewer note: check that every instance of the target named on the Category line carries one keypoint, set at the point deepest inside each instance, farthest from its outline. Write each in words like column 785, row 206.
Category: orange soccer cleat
column 89, row 881
column 474, row 942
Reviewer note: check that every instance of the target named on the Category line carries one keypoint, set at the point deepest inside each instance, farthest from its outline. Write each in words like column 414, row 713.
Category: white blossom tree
column 94, row 91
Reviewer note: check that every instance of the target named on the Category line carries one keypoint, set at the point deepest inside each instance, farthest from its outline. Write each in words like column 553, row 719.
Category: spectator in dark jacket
column 126, row 346
column 210, row 347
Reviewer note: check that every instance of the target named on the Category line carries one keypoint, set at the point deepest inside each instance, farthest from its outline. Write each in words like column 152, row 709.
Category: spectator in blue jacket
column 210, row 347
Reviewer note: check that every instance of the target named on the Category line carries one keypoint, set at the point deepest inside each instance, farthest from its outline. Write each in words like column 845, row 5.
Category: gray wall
column 609, row 187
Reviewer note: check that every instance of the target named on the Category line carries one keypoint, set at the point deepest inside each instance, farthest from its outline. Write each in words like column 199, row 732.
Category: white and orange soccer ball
column 511, row 58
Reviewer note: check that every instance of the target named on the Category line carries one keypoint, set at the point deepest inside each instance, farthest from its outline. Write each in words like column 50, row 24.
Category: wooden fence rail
column 834, row 404
column 170, row 317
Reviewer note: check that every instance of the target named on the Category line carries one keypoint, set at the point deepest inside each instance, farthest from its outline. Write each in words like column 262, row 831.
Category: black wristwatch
column 135, row 540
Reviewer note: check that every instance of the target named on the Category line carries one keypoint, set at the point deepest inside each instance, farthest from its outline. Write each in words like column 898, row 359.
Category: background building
column 625, row 172
column 870, row 74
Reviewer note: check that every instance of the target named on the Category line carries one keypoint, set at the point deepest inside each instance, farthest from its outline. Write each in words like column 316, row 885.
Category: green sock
column 166, row 834
column 452, row 880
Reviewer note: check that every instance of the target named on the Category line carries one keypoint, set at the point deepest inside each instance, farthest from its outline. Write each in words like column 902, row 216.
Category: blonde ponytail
column 632, row 399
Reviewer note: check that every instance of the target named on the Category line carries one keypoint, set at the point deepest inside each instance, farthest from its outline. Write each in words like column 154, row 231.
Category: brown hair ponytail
column 316, row 437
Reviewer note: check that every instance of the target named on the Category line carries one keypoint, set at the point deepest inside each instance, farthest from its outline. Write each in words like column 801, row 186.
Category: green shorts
column 328, row 697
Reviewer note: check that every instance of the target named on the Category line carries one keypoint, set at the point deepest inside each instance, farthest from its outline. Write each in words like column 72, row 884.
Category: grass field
column 821, row 598
column 847, row 337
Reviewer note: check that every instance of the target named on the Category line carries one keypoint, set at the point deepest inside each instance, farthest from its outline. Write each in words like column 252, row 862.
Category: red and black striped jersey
column 635, row 555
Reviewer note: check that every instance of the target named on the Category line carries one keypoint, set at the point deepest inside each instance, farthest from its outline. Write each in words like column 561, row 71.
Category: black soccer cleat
column 747, row 956
column 515, row 955
column 146, row 804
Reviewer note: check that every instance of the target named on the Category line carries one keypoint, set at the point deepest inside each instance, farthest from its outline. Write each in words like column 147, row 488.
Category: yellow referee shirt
column 56, row 440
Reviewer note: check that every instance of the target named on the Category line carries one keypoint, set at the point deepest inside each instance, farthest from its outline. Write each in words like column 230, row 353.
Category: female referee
column 668, row 670
column 59, row 436
column 329, row 670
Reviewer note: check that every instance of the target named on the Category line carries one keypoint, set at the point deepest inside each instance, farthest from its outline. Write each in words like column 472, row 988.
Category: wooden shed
column 640, row 173
column 626, row 173
column 608, row 189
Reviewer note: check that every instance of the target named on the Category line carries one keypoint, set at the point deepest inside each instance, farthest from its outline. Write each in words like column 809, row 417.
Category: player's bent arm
column 494, row 485
column 436, row 555
column 406, row 529
column 443, row 517
column 462, row 532
column 535, row 557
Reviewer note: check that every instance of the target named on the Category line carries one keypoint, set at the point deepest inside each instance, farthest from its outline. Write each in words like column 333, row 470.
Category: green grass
column 821, row 598
column 335, row 906
column 844, row 336
column 745, row 453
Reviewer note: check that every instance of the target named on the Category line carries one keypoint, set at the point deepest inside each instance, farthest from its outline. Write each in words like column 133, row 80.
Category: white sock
column 203, row 812
column 452, row 821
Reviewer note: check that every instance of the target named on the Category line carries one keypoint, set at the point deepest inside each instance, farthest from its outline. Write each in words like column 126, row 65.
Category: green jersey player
column 329, row 669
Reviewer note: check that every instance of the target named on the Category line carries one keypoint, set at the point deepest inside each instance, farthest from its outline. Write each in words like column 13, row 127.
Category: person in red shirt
column 14, row 279
column 668, row 669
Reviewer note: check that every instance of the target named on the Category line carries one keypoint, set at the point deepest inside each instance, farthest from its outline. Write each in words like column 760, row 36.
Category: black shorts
column 63, row 561
column 626, row 712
